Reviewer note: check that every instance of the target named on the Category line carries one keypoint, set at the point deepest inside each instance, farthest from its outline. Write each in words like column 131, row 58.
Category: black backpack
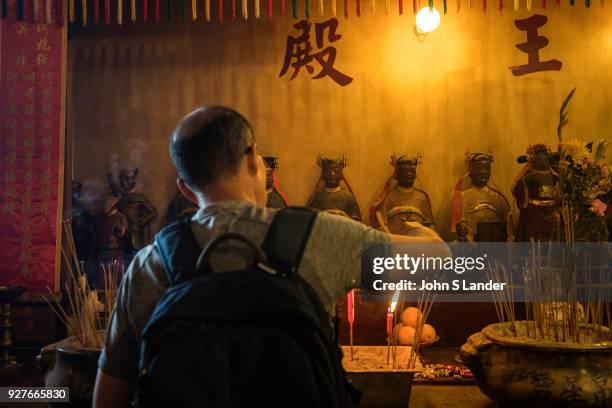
column 258, row 337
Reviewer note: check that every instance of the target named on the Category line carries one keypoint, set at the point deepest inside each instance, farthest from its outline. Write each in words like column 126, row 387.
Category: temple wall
column 442, row 96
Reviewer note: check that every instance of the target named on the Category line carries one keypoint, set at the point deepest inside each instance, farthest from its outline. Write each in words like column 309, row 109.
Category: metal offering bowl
column 518, row 371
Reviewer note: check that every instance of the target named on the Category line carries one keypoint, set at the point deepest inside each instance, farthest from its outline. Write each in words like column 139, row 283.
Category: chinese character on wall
column 299, row 52
column 532, row 47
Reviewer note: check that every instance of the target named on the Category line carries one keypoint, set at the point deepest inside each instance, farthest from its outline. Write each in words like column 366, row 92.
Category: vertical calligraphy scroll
column 32, row 111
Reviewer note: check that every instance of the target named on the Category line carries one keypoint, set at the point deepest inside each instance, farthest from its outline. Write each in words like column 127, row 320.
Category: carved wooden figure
column 536, row 192
column 332, row 197
column 135, row 206
column 110, row 230
column 400, row 201
column 485, row 210
column 276, row 196
column 464, row 234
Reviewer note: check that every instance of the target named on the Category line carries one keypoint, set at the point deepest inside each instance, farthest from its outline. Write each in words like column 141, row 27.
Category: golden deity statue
column 400, row 201
column 536, row 192
column 332, row 197
column 483, row 208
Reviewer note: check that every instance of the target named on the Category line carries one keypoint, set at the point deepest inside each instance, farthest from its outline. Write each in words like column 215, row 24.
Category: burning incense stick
column 83, row 317
column 389, row 330
column 424, row 304
column 351, row 316
column 553, row 311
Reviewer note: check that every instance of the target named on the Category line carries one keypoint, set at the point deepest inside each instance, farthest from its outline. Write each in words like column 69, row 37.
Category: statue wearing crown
column 329, row 194
column 400, row 201
column 276, row 196
column 536, row 192
column 483, row 208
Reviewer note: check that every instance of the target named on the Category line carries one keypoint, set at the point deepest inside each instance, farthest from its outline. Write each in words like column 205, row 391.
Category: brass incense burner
column 518, row 371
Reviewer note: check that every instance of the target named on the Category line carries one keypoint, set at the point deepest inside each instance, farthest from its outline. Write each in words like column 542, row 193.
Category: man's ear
column 186, row 190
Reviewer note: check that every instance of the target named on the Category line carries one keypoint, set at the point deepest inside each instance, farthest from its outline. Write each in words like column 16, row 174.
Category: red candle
column 389, row 330
column 351, row 305
column 350, row 300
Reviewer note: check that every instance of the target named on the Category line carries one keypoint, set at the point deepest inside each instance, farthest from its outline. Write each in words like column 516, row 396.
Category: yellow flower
column 576, row 150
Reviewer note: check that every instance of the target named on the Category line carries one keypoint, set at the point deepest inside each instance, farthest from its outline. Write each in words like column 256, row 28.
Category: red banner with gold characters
column 32, row 124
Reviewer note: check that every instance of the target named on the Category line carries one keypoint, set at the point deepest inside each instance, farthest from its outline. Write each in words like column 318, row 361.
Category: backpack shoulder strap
column 287, row 236
column 179, row 251
column 284, row 245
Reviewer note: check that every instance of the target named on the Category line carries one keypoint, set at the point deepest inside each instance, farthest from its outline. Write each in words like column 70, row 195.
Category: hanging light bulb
column 427, row 20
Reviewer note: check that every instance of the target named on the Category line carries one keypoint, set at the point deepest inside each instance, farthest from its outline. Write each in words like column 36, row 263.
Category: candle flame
column 394, row 301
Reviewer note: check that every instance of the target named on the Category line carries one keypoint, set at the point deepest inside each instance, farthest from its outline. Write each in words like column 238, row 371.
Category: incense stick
column 424, row 305
column 83, row 318
column 553, row 311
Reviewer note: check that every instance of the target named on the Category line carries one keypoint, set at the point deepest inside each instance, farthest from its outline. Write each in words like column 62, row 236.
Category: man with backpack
column 248, row 321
